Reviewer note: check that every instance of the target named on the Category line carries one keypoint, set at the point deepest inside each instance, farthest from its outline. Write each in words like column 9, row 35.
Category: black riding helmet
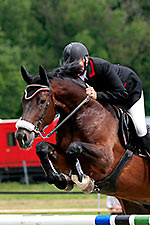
column 74, row 52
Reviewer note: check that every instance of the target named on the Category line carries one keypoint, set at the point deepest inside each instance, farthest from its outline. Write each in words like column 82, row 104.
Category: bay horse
column 88, row 149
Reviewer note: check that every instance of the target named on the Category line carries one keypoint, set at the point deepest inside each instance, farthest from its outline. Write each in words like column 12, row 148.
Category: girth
column 108, row 185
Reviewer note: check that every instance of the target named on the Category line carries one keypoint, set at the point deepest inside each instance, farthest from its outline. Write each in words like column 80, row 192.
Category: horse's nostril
column 24, row 137
column 21, row 138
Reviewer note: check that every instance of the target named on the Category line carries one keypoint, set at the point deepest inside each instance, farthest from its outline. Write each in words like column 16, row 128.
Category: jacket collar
column 90, row 71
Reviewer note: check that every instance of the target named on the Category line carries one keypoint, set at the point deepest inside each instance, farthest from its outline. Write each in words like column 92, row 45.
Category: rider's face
column 82, row 64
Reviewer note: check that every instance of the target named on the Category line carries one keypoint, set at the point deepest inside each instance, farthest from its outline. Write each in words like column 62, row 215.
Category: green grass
column 45, row 201
column 41, row 187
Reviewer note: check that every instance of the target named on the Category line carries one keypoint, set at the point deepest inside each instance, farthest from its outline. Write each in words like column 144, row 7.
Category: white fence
column 148, row 120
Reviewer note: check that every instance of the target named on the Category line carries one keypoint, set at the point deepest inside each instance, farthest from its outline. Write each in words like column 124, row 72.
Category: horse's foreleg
column 45, row 152
column 84, row 182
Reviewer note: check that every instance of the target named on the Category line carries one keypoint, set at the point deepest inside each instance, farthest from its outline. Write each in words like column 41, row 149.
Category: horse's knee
column 74, row 149
column 41, row 148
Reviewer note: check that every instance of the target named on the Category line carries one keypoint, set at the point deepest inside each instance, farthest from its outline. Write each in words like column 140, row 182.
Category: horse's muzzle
column 24, row 138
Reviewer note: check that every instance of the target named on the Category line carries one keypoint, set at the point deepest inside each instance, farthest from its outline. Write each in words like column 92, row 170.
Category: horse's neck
column 67, row 95
column 61, row 107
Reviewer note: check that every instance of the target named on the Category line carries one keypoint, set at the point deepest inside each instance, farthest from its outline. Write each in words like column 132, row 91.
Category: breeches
column 137, row 111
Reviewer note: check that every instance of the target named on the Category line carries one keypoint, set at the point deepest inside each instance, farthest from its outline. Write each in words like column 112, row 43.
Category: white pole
column 47, row 219
column 25, row 172
column 98, row 202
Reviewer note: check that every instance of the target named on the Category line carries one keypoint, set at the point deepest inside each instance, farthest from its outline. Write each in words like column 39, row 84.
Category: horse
column 88, row 151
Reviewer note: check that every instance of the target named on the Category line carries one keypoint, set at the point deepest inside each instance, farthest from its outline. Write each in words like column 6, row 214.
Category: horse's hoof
column 87, row 184
column 70, row 184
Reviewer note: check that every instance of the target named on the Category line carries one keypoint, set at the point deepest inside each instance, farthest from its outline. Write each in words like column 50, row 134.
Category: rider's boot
column 146, row 142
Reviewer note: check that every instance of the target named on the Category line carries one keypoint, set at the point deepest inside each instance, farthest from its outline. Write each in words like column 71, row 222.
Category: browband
column 33, row 89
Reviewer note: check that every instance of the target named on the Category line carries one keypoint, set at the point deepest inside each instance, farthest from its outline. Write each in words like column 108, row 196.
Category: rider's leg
column 137, row 111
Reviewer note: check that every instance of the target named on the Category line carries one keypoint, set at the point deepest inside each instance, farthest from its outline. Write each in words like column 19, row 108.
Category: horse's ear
column 43, row 75
column 26, row 76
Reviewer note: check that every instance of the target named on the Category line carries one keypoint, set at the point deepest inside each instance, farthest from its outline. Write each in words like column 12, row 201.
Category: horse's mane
column 37, row 80
column 70, row 70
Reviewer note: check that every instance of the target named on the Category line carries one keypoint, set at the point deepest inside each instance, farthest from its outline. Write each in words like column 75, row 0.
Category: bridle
column 35, row 128
column 28, row 125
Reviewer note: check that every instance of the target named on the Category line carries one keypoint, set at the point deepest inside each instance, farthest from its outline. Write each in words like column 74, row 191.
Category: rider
column 110, row 83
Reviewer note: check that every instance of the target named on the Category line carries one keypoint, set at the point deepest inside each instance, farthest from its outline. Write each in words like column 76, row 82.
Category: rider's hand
column 91, row 92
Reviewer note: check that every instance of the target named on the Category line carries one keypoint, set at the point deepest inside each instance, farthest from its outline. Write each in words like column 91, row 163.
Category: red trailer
column 13, row 159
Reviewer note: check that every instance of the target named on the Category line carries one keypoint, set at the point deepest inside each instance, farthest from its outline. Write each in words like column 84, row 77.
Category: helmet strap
column 85, row 63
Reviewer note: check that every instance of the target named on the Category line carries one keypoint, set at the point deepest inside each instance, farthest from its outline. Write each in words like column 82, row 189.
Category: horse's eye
column 42, row 101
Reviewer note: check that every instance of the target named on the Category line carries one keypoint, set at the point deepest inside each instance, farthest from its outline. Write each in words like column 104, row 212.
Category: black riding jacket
column 114, row 84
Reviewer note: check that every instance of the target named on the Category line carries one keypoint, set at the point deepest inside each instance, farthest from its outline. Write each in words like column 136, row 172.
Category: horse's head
column 37, row 105
column 45, row 93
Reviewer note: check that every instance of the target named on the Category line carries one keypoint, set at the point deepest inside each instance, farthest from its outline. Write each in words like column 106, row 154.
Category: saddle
column 127, row 132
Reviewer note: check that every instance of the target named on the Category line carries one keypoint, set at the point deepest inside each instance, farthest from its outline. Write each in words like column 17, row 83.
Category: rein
column 85, row 100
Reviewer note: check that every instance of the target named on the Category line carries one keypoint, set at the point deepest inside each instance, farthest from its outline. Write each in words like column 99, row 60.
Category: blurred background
column 34, row 33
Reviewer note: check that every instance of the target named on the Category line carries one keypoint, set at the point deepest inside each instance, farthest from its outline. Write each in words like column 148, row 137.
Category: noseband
column 25, row 124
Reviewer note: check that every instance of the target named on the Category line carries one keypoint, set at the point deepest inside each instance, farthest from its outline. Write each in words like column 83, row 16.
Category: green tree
column 35, row 32
column 10, row 81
